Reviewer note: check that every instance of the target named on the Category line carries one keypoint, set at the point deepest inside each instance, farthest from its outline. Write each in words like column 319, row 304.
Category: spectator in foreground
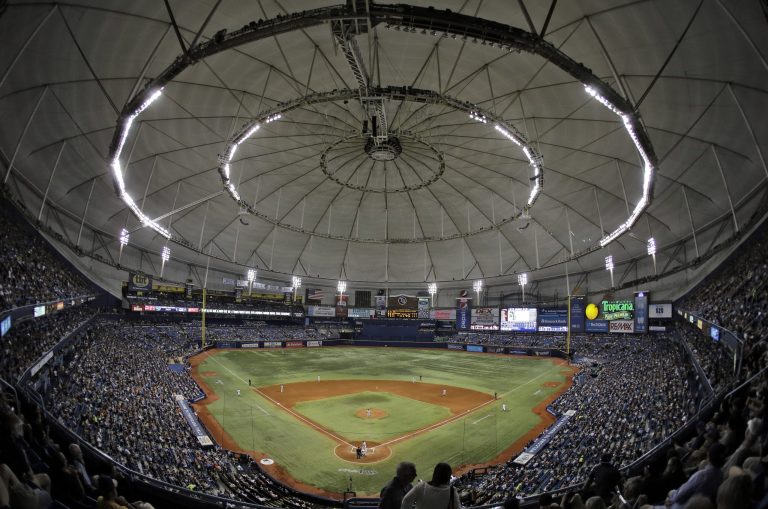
column 392, row 494
column 704, row 482
column 435, row 494
column 603, row 479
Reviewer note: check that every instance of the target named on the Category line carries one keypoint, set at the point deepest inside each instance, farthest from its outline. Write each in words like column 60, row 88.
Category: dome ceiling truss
column 346, row 23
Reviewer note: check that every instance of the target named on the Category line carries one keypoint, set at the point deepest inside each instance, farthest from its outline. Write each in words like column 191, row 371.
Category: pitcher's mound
column 376, row 413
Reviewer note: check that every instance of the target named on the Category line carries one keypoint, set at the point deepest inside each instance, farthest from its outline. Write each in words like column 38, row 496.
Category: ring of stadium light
column 447, row 24
column 393, row 93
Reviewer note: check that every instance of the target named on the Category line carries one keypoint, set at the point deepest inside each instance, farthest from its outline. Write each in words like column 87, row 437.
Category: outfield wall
column 513, row 350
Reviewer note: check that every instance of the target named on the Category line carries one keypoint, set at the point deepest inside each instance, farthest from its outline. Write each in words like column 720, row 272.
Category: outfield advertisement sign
column 273, row 344
column 578, row 308
column 617, row 309
column 474, row 348
column 518, row 319
column 360, row 312
column 227, row 344
column 324, row 311
column 294, row 344
column 463, row 313
column 641, row 311
column 454, row 346
column 249, row 345
column 485, row 319
column 553, row 320
column 660, row 310
column 443, row 314
column 622, row 326
column 597, row 326
column 423, row 307
column 314, row 344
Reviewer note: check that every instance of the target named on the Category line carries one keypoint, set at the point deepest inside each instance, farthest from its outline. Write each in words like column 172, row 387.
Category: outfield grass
column 255, row 423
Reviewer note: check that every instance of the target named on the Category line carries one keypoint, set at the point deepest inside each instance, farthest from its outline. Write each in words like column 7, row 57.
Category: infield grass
column 403, row 415
column 256, row 423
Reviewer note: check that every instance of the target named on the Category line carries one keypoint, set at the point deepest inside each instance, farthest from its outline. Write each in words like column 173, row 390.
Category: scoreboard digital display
column 518, row 319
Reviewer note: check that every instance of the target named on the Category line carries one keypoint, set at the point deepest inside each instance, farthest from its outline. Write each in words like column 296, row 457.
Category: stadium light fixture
column 295, row 285
column 609, row 267
column 251, row 276
column 165, row 255
column 432, row 290
column 522, row 280
column 124, row 237
column 632, row 126
column 341, row 287
column 478, row 287
column 652, row 252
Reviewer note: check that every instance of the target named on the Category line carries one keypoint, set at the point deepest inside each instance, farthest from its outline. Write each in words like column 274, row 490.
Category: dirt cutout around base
column 344, row 451
column 376, row 413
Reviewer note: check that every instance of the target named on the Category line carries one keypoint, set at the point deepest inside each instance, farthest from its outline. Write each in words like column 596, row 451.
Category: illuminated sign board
column 617, row 309
column 518, row 319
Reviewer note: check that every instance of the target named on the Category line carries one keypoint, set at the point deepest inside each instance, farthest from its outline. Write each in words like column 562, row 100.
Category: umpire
column 392, row 494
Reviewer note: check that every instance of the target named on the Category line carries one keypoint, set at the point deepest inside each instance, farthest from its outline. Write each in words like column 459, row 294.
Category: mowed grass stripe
column 307, row 454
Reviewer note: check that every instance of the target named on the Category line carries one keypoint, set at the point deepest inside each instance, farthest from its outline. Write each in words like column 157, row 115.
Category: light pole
column 251, row 277
column 609, row 266
column 522, row 280
column 432, row 290
column 652, row 252
column 165, row 255
column 478, row 287
column 295, row 284
column 124, row 237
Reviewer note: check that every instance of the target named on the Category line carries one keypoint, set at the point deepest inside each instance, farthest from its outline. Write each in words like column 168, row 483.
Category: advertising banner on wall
column 641, row 311
column 518, row 319
column 622, row 326
column 324, row 311
column 443, row 314
column 485, row 319
column 463, row 313
column 341, row 306
column 617, row 309
column 577, row 304
column 553, row 320
column 360, row 312
column 597, row 326
column 660, row 310
column 423, row 307
column 139, row 282
column 380, row 304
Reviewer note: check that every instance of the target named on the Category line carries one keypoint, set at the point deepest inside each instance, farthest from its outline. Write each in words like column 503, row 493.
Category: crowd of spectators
column 30, row 272
column 736, row 298
column 27, row 341
column 632, row 392
column 521, row 339
column 129, row 411
column 214, row 302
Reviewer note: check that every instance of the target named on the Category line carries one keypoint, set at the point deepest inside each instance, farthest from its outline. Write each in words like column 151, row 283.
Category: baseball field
column 307, row 411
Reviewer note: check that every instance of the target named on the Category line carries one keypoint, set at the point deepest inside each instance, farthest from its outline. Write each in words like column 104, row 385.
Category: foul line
column 393, row 441
column 213, row 358
column 459, row 416
column 482, row 418
column 304, row 419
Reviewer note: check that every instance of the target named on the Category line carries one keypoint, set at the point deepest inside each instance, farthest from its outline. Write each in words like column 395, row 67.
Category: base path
column 458, row 401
